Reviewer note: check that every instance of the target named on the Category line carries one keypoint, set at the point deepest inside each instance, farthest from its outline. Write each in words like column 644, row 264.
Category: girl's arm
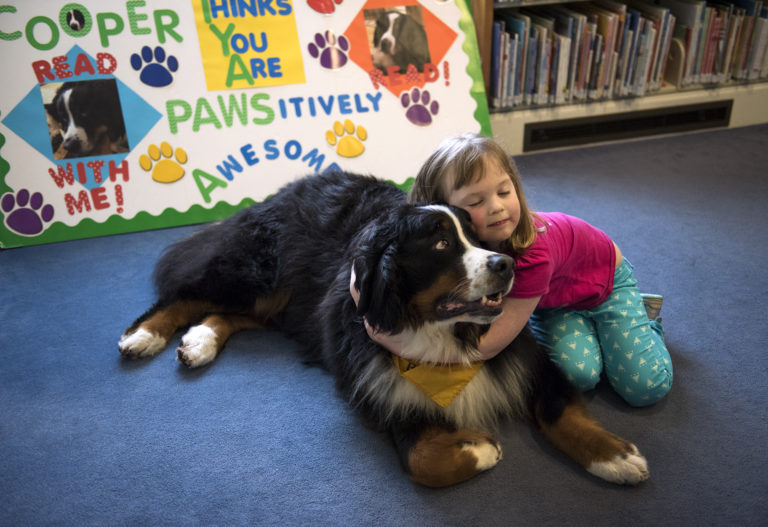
column 515, row 315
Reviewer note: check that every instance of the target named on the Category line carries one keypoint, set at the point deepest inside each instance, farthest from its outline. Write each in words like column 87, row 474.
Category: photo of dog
column 396, row 37
column 286, row 263
column 85, row 118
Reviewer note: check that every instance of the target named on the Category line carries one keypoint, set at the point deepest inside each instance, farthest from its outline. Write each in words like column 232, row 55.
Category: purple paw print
column 332, row 51
column 420, row 110
column 29, row 213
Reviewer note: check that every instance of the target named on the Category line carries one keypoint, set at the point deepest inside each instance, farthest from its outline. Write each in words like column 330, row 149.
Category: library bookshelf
column 670, row 109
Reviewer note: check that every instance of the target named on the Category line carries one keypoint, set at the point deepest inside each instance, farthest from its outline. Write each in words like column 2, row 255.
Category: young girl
column 571, row 280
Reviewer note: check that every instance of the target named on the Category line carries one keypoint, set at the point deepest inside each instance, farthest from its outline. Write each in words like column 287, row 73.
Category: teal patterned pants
column 616, row 336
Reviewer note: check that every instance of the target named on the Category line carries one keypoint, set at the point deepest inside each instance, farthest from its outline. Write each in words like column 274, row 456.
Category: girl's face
column 492, row 203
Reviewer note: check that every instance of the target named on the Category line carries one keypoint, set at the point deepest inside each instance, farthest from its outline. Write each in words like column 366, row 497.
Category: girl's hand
column 514, row 316
column 393, row 342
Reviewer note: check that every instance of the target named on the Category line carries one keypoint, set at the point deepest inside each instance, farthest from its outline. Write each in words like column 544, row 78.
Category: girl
column 571, row 280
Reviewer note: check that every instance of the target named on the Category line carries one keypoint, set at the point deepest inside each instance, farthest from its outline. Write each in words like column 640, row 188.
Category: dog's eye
column 442, row 245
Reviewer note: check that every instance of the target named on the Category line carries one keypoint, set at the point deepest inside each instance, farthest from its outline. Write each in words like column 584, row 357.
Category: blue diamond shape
column 28, row 121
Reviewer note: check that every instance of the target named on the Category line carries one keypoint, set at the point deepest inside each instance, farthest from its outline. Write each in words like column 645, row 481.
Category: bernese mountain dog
column 287, row 262
column 85, row 118
column 399, row 40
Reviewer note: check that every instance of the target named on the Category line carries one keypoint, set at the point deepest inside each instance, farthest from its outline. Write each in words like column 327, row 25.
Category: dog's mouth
column 487, row 307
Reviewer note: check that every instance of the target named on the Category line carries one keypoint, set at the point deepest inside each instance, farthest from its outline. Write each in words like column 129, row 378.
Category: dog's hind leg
column 150, row 333
column 437, row 457
column 202, row 343
column 602, row 453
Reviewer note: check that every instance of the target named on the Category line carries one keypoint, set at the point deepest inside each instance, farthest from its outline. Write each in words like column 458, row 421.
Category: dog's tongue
column 453, row 307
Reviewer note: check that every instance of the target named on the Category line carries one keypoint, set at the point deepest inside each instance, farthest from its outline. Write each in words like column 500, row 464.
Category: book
column 757, row 50
column 751, row 12
column 620, row 10
column 495, row 58
column 664, row 22
column 531, row 69
column 563, row 44
column 519, row 26
column 734, row 33
column 607, row 27
column 691, row 14
column 570, row 24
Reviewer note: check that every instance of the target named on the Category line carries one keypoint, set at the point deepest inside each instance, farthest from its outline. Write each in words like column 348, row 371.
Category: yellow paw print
column 166, row 170
column 347, row 145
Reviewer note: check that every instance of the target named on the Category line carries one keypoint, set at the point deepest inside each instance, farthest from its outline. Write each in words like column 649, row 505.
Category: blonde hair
column 463, row 158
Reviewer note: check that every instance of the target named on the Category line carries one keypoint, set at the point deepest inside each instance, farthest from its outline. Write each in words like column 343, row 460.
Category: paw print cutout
column 156, row 73
column 25, row 214
column 331, row 51
column 347, row 140
column 325, row 7
column 168, row 169
column 420, row 110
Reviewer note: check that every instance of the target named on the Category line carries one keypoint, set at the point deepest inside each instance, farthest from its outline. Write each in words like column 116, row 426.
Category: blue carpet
column 258, row 438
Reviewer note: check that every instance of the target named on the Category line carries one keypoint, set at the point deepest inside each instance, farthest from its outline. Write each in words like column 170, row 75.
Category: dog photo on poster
column 118, row 116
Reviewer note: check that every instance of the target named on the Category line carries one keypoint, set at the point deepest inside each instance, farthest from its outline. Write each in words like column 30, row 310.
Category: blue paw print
column 420, row 109
column 154, row 73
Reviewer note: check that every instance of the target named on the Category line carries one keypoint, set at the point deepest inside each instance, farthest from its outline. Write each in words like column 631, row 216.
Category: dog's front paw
column 441, row 458
column 487, row 452
column 630, row 468
column 141, row 343
column 199, row 346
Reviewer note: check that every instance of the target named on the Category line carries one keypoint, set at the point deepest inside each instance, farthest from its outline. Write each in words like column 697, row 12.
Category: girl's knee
column 584, row 379
column 648, row 392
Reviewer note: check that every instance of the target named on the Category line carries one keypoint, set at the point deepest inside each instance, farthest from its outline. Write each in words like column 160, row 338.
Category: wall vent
column 642, row 123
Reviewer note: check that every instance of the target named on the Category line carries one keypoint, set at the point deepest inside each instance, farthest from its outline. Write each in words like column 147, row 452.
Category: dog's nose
column 502, row 265
column 72, row 146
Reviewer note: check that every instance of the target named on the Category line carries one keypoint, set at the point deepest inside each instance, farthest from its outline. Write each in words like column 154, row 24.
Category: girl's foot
column 652, row 305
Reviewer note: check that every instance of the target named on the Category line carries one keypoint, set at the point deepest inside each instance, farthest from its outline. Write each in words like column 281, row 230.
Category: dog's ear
column 376, row 272
column 382, row 24
column 50, row 109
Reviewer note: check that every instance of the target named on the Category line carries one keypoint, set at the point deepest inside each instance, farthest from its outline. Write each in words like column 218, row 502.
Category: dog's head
column 424, row 265
column 383, row 34
column 398, row 39
column 88, row 114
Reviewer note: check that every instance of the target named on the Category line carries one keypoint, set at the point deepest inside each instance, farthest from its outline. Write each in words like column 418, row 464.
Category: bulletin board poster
column 120, row 116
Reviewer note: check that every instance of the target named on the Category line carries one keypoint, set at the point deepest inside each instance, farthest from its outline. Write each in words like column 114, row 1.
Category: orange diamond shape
column 440, row 37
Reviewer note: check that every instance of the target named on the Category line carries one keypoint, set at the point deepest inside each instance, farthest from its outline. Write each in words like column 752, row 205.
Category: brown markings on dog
column 579, row 435
column 439, row 457
column 223, row 325
column 266, row 308
column 424, row 302
column 165, row 322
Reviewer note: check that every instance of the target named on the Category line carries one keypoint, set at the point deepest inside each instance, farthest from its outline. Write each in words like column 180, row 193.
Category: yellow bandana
column 441, row 383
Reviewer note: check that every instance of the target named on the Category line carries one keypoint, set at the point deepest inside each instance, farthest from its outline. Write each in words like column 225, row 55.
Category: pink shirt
column 570, row 265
